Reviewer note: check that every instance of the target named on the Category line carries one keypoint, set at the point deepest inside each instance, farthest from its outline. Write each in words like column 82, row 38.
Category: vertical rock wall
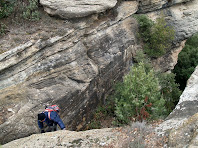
column 75, row 71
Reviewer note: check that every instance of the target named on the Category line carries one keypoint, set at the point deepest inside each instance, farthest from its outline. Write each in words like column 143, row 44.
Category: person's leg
column 55, row 127
column 49, row 129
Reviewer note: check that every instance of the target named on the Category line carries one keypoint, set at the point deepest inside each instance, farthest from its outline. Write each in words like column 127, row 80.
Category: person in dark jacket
column 51, row 119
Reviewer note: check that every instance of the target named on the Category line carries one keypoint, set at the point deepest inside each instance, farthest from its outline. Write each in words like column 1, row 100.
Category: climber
column 51, row 118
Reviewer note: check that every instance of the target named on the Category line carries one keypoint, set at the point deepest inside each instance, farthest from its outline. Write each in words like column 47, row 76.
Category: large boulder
column 76, row 8
column 75, row 70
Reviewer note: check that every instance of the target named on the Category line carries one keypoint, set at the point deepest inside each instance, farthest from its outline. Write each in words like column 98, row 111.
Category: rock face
column 182, row 17
column 167, row 62
column 178, row 119
column 186, row 135
column 76, row 8
column 88, row 139
column 75, row 71
column 152, row 5
column 188, row 102
column 184, row 20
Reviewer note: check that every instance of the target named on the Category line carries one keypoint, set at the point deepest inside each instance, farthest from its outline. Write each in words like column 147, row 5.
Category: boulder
column 76, row 8
column 188, row 102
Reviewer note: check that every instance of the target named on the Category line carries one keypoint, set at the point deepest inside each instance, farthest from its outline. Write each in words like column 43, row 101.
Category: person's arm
column 40, row 125
column 55, row 117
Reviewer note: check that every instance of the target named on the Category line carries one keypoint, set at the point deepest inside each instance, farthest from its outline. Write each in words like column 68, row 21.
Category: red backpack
column 51, row 108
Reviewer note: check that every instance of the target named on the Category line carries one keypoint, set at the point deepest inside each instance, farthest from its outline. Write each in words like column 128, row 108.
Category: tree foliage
column 138, row 95
column 187, row 61
column 169, row 90
column 157, row 37
column 17, row 12
column 6, row 8
column 168, row 87
column 26, row 9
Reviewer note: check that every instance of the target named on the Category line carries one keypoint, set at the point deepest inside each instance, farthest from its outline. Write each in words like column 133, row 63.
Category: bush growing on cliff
column 26, row 9
column 157, row 37
column 18, row 11
column 6, row 8
column 187, row 61
column 30, row 11
column 138, row 96
column 145, row 25
column 3, row 29
column 169, row 90
column 168, row 87
column 131, row 97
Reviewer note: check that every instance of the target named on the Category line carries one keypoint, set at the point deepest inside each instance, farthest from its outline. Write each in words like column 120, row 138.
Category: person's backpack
column 51, row 108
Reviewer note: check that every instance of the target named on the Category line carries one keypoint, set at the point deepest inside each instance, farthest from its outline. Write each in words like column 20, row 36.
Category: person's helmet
column 41, row 116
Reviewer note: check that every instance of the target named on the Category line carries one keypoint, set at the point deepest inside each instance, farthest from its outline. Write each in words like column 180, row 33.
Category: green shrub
column 142, row 57
column 139, row 90
column 143, row 94
column 25, row 9
column 168, row 87
column 31, row 12
column 169, row 90
column 101, row 113
column 3, row 29
column 187, row 61
column 160, row 39
column 94, row 124
column 6, row 8
column 157, row 37
column 145, row 25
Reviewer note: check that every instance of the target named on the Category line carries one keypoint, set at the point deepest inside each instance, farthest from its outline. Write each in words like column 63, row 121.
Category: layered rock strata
column 153, row 5
column 75, row 71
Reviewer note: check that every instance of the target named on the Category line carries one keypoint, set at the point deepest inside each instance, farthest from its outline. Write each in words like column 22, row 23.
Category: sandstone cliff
column 182, row 131
column 77, row 68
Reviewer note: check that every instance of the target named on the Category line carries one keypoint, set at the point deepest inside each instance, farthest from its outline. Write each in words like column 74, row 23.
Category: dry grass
column 139, row 135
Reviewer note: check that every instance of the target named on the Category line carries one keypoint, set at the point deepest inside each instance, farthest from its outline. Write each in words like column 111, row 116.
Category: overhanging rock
column 76, row 8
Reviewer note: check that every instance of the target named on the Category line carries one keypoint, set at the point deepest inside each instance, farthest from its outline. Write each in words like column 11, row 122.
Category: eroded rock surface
column 153, row 5
column 75, row 71
column 183, row 19
column 92, row 138
column 186, row 134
